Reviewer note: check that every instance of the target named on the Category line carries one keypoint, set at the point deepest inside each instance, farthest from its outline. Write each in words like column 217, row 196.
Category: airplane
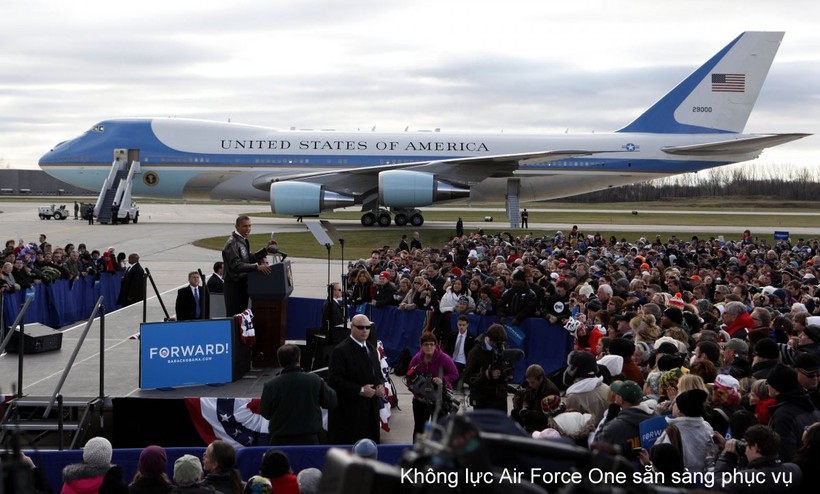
column 697, row 125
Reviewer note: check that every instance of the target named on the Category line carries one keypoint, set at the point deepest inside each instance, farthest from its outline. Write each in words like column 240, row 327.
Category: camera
column 504, row 359
column 740, row 447
column 422, row 385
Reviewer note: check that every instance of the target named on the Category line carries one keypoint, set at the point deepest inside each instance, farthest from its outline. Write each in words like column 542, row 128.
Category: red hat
column 385, row 274
column 456, row 272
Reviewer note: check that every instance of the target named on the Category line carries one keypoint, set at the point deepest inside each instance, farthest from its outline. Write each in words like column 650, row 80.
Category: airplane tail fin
column 719, row 96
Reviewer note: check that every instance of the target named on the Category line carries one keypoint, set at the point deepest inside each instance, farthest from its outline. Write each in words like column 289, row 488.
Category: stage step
column 44, row 425
column 27, row 416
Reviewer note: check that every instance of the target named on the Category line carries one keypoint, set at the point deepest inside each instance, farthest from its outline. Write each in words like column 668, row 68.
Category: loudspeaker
column 37, row 339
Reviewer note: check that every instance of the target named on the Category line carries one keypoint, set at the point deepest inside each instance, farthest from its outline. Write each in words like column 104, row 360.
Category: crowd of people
column 721, row 337
column 29, row 263
column 215, row 472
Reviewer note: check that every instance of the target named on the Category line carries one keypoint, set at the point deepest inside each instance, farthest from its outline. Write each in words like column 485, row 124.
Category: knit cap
column 187, row 470
column 97, row 452
column 152, row 461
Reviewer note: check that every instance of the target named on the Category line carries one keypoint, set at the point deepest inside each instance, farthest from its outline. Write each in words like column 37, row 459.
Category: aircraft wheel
column 400, row 219
column 417, row 220
column 368, row 219
column 384, row 219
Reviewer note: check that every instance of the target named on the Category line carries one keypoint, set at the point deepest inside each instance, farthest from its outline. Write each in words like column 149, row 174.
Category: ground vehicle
column 48, row 212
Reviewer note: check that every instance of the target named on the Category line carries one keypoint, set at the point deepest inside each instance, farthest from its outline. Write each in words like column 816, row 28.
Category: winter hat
column 456, row 272
column 623, row 347
column 690, row 403
column 594, row 305
column 676, row 302
column 258, row 485
column 725, row 381
column 628, row 390
column 187, row 470
column 767, row 348
column 781, row 294
column 547, row 433
column 613, row 363
column 274, row 464
column 586, row 290
column 581, row 364
column 668, row 362
column 519, row 275
column 680, row 347
column 97, row 452
column 385, row 274
column 783, row 378
column 813, row 332
column 670, row 378
column 365, row 448
column 674, row 314
column 551, row 405
column 152, row 461
column 809, row 362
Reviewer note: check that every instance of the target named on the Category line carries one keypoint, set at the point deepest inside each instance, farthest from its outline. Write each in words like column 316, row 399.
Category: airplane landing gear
column 368, row 219
column 402, row 217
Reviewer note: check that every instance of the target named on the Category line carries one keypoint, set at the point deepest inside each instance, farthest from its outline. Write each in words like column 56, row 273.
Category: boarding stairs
column 512, row 202
column 117, row 190
column 42, row 423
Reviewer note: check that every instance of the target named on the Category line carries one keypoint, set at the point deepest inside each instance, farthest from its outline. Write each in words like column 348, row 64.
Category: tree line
column 773, row 183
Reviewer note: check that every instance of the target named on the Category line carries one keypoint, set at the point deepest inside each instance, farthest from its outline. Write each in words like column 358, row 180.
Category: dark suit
column 355, row 417
column 186, row 305
column 450, row 347
column 132, row 286
column 215, row 284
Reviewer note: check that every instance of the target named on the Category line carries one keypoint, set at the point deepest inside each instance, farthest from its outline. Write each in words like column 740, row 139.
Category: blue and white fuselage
column 697, row 125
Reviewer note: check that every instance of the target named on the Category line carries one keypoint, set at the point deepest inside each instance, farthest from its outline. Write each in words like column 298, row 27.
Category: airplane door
column 133, row 155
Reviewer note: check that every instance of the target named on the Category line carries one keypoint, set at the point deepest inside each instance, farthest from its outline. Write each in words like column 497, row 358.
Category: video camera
column 422, row 385
column 504, row 360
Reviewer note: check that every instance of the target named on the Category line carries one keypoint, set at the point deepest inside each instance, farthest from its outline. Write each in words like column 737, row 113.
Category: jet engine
column 407, row 189
column 305, row 199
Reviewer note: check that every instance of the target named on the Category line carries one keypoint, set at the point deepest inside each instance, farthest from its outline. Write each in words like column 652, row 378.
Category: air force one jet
column 697, row 125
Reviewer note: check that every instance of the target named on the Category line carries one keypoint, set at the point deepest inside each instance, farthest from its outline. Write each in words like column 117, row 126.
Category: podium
column 269, row 302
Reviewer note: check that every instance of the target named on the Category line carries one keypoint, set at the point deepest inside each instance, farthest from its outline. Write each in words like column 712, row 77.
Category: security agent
column 293, row 400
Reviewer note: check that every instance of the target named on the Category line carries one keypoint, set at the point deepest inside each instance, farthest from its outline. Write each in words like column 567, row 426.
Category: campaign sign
column 781, row 235
column 650, row 430
column 185, row 353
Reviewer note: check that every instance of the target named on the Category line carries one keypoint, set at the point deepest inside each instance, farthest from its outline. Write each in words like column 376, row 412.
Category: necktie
column 458, row 351
column 197, row 312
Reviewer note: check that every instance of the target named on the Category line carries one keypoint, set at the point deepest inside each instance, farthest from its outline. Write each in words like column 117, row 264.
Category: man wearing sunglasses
column 355, row 374
column 807, row 366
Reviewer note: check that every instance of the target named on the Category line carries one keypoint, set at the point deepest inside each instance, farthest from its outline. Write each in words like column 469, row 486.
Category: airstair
column 115, row 194
column 511, row 201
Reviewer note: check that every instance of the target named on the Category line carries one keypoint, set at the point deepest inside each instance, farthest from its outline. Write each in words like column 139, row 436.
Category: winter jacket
column 769, row 466
column 699, row 451
column 588, row 395
column 792, row 413
column 80, row 478
column 624, row 430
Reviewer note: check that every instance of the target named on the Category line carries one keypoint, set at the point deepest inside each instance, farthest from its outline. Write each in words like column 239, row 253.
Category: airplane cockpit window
column 97, row 128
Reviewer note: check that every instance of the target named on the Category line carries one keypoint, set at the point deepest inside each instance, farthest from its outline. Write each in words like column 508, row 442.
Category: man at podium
column 239, row 261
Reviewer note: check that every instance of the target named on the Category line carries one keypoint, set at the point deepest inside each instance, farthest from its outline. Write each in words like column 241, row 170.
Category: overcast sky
column 489, row 66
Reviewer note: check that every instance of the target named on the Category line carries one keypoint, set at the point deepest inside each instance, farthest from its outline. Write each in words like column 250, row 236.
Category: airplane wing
column 735, row 146
column 465, row 170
